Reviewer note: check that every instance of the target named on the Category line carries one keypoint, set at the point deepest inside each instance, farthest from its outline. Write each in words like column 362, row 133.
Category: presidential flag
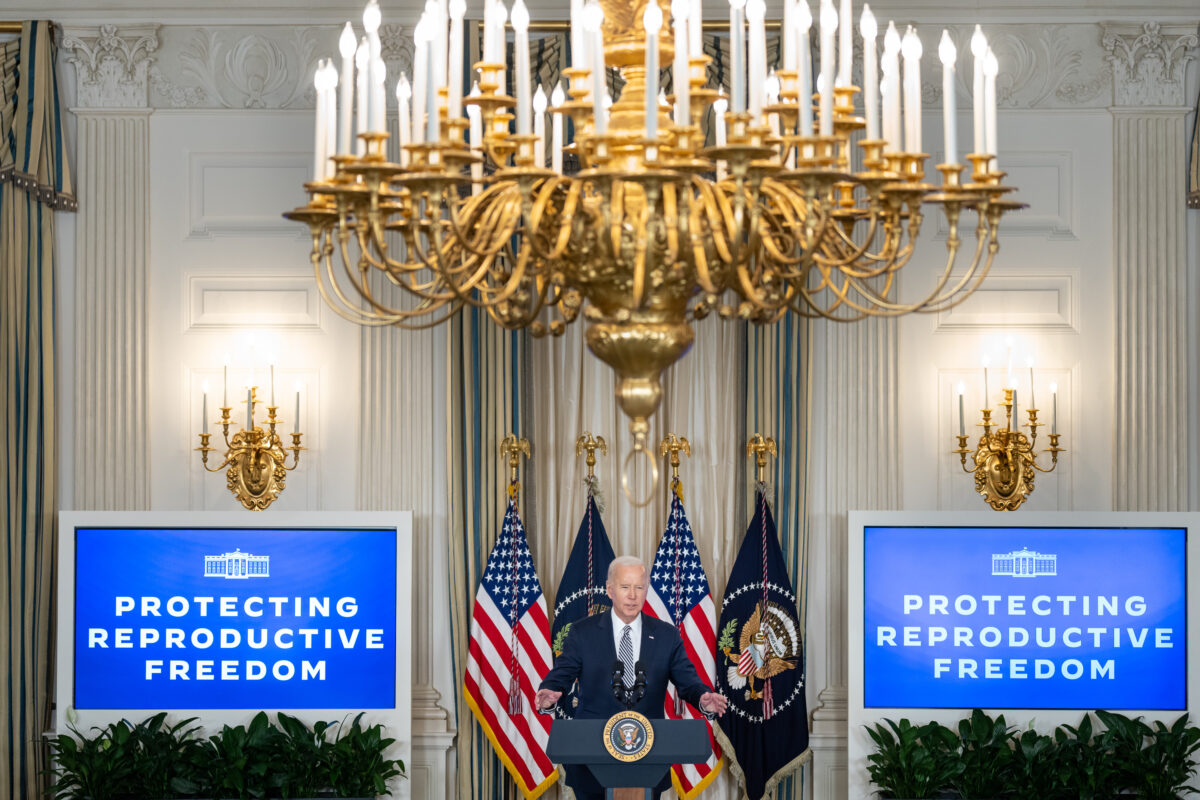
column 508, row 656
column 679, row 594
column 582, row 591
column 760, row 662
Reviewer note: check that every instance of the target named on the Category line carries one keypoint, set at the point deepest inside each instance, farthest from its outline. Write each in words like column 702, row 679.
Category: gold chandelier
column 643, row 239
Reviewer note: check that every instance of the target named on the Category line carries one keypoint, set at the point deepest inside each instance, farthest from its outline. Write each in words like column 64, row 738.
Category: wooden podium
column 626, row 770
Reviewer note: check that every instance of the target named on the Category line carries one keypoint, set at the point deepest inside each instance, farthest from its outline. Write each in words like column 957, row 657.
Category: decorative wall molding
column 261, row 66
column 236, row 301
column 112, row 64
column 240, row 212
column 1034, row 302
column 1149, row 62
column 111, row 393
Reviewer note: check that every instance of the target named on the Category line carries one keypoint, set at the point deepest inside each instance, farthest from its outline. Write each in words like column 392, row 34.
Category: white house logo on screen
column 1024, row 563
column 237, row 566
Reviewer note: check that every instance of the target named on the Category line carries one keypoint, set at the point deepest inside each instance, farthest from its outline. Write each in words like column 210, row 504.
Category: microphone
column 639, row 684
column 618, row 681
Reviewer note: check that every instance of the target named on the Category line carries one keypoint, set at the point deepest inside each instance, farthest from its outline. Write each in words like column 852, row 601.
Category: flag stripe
column 494, row 687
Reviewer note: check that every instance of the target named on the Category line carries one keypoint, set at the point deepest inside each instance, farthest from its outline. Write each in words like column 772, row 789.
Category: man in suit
column 626, row 636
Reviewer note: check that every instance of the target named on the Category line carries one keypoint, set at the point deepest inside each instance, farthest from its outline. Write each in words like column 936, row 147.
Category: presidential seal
column 628, row 736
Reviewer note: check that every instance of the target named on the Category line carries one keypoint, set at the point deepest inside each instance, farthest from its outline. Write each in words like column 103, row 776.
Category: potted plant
column 913, row 762
column 1085, row 764
column 1156, row 762
column 1035, row 770
column 986, row 754
column 153, row 760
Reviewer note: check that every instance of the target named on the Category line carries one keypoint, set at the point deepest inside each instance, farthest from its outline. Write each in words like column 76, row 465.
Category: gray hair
column 624, row 561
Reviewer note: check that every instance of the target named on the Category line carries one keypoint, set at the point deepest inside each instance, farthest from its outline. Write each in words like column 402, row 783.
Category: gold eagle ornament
column 768, row 647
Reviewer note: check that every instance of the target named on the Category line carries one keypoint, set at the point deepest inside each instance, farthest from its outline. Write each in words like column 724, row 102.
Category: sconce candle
column 1015, row 425
column 296, row 423
column 225, row 386
column 1032, row 402
column 272, row 384
column 1054, row 410
column 249, row 409
column 204, row 410
column 962, row 429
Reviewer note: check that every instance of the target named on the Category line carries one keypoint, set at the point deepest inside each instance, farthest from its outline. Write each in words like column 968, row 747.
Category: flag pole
column 590, row 444
column 675, row 445
column 759, row 447
column 512, row 448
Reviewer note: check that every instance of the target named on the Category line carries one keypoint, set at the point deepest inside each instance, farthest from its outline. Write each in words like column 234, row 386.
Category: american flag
column 679, row 594
column 509, row 655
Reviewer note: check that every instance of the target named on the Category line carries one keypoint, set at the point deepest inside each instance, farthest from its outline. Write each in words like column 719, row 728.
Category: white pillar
column 1151, row 434
column 111, row 396
column 857, row 416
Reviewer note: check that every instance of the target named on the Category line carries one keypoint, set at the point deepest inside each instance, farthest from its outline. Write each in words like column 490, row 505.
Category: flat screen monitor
column 1038, row 617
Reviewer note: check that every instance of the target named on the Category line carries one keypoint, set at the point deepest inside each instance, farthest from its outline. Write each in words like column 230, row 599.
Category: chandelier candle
column 578, row 46
column 845, row 44
column 990, row 68
column 403, row 118
column 361, row 57
column 593, row 19
column 804, row 97
column 737, row 56
column 681, row 72
column 891, row 90
column 420, row 84
column 520, row 21
column 949, row 54
column 869, row 30
column 371, row 21
column 556, row 131
column 652, row 19
column 458, row 8
column 755, row 12
column 979, row 49
column 539, row 127
column 829, row 24
column 346, row 46
column 911, row 48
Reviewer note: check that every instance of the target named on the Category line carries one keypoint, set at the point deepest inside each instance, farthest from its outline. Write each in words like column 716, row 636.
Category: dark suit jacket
column 589, row 654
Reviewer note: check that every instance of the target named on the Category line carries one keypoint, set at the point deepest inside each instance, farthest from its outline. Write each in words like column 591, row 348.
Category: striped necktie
column 627, row 655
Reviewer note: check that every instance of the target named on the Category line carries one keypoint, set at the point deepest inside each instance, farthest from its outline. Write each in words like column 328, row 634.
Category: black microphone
column 639, row 684
column 618, row 680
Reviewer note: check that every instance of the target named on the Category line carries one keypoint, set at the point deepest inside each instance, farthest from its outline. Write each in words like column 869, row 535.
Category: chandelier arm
column 343, row 307
column 540, row 206
column 699, row 257
column 459, row 230
column 720, row 221
column 672, row 221
column 500, row 232
column 953, row 298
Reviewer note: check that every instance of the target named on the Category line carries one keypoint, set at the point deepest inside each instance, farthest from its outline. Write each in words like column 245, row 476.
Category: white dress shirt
column 635, row 634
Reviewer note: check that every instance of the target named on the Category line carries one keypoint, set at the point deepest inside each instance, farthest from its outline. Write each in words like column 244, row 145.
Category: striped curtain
column 486, row 374
column 34, row 182
column 1194, row 161
column 778, row 404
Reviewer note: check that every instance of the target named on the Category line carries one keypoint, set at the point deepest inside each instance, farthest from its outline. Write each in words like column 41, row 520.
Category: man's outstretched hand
column 711, row 702
column 546, row 698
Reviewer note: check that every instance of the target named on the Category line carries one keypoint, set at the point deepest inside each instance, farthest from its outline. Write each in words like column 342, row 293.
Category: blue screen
column 1042, row 618
column 235, row 619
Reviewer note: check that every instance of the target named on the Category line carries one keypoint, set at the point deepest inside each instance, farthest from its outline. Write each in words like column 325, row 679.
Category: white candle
column 539, row 127
column 296, row 423
column 755, row 12
column 475, row 138
column 371, row 20
column 319, row 133
column 737, row 59
column 962, row 429
column 204, row 409
column 773, row 86
column 593, row 19
column 804, row 58
column 437, row 49
column 720, row 106
column 990, row 69
column 501, row 15
column 652, row 19
column 249, row 409
column 911, row 49
column 420, row 84
column 331, row 122
column 695, row 30
column 225, row 384
column 520, row 21
column 986, row 403
column 556, row 130
column 869, row 30
column 362, row 57
column 272, row 384
column 829, row 24
column 404, row 120
column 458, row 8
column 949, row 54
column 1054, row 409
column 433, row 120
column 680, row 70
column 787, row 35
column 845, row 44
column 490, row 56
column 891, row 93
column 1016, row 421
column 979, row 48
column 347, row 44
column 578, row 42
column 1032, row 400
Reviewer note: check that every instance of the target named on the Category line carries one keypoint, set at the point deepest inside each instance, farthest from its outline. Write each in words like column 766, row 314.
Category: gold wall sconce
column 255, row 456
column 1004, row 461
